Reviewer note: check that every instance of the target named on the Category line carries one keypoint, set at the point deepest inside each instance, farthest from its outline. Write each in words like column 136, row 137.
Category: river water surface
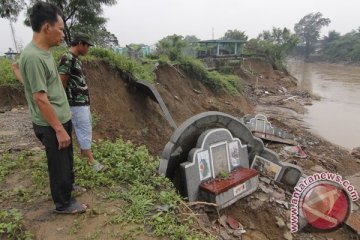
column 336, row 117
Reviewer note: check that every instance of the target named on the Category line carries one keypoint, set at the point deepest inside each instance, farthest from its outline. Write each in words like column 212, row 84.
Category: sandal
column 98, row 167
column 79, row 189
column 73, row 208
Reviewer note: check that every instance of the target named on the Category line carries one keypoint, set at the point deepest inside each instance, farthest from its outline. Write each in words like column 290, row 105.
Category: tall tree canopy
column 274, row 44
column 79, row 16
column 11, row 8
column 235, row 35
column 332, row 36
column 344, row 48
column 172, row 46
column 308, row 30
column 83, row 16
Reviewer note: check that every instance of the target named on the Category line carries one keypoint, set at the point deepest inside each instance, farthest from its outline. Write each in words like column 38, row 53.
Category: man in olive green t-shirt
column 48, row 105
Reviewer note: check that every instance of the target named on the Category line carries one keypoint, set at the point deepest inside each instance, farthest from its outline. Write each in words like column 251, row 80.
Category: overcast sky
column 147, row 21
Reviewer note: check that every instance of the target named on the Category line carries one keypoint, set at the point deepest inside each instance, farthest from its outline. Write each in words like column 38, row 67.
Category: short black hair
column 42, row 13
column 74, row 43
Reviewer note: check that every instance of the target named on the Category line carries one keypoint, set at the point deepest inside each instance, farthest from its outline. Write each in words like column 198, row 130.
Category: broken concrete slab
column 354, row 221
column 318, row 168
column 295, row 151
column 355, row 152
column 262, row 128
column 280, row 222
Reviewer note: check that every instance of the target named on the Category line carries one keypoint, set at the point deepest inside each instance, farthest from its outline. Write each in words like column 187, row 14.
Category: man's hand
column 42, row 101
column 64, row 79
column 63, row 138
column 15, row 68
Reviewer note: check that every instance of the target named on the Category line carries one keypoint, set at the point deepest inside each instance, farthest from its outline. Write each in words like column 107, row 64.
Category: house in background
column 133, row 50
column 224, row 55
column 10, row 54
column 220, row 48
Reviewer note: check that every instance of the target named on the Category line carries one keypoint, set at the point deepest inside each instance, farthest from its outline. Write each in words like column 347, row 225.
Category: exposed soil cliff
column 119, row 110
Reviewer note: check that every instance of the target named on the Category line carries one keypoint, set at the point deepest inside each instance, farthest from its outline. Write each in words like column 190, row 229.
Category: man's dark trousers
column 60, row 164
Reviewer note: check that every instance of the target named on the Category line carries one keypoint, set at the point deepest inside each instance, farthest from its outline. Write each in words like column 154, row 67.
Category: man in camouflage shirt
column 77, row 92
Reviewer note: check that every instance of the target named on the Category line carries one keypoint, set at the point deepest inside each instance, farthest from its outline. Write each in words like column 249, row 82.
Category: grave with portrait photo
column 214, row 157
column 217, row 170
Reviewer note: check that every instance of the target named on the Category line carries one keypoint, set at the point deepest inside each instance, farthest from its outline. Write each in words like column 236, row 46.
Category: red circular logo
column 325, row 206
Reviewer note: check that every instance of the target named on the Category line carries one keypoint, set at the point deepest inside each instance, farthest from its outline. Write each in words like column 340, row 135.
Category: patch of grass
column 57, row 52
column 7, row 75
column 95, row 119
column 147, row 198
column 121, row 63
column 145, row 131
column 75, row 227
column 132, row 176
column 6, row 164
column 12, row 226
column 25, row 166
column 223, row 174
column 218, row 82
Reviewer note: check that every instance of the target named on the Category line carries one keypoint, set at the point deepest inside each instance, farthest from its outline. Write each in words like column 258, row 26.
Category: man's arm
column 42, row 101
column 64, row 79
column 15, row 68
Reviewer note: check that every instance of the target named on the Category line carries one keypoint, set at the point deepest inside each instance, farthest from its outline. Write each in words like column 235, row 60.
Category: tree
column 192, row 45
column 308, row 30
column 275, row 45
column 172, row 46
column 235, row 35
column 104, row 38
column 332, row 36
column 82, row 16
column 11, row 8
column 191, row 39
column 344, row 48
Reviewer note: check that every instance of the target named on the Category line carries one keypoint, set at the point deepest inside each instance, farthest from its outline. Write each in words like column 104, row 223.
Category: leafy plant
column 218, row 82
column 171, row 46
column 121, row 63
column 274, row 45
column 223, row 174
column 11, row 225
column 132, row 176
column 7, row 75
column 148, row 199
column 58, row 51
column 344, row 48
column 95, row 119
column 7, row 163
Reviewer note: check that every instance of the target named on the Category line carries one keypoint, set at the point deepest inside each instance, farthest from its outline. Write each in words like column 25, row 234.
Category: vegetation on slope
column 147, row 198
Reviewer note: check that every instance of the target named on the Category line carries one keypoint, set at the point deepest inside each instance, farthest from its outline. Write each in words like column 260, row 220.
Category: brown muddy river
column 336, row 117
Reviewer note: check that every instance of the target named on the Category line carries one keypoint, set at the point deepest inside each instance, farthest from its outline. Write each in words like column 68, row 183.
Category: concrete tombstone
column 218, row 154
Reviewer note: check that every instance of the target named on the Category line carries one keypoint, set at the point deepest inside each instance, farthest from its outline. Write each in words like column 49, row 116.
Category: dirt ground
column 120, row 111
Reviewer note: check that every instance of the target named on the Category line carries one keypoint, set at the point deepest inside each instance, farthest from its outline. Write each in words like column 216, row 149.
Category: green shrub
column 218, row 82
column 58, row 51
column 194, row 68
column 132, row 176
column 148, row 198
column 121, row 63
column 163, row 60
column 11, row 225
column 7, row 76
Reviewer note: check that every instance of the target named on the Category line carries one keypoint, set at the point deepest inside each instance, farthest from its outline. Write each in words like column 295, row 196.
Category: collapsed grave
column 214, row 157
column 261, row 127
